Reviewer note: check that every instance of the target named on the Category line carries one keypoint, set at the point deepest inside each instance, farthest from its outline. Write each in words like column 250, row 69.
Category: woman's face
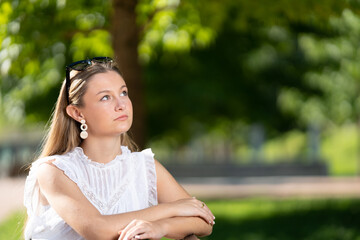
column 107, row 107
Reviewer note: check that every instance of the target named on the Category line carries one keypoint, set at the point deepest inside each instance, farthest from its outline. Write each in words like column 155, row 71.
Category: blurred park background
column 231, row 93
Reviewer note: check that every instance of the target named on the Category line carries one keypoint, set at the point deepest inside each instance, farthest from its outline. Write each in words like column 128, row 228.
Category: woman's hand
column 140, row 229
column 187, row 207
column 191, row 207
column 191, row 237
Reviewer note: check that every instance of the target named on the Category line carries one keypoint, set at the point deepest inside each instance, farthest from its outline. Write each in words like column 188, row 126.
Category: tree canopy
column 283, row 64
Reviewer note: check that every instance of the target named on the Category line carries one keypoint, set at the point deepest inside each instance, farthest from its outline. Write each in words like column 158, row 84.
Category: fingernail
column 213, row 222
column 214, row 217
column 137, row 237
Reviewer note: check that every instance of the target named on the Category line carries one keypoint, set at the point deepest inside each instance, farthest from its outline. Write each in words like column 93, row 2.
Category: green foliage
column 171, row 26
column 333, row 73
column 341, row 150
column 254, row 69
column 37, row 39
column 338, row 147
column 289, row 147
column 285, row 65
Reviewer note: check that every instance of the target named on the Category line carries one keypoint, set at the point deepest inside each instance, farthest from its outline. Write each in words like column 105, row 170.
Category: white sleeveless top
column 127, row 183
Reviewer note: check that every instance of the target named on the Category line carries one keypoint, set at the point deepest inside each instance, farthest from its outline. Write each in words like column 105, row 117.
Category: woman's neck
column 101, row 150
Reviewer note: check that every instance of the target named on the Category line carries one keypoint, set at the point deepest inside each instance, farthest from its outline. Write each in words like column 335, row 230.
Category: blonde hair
column 64, row 132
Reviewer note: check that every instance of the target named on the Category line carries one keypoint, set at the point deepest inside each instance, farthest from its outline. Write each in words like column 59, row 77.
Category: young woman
column 90, row 182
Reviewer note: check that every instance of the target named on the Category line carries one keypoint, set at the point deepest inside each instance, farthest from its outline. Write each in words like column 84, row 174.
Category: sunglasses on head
column 81, row 66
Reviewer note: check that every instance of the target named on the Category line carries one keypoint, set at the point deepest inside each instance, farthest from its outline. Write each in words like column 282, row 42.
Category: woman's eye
column 124, row 93
column 104, row 98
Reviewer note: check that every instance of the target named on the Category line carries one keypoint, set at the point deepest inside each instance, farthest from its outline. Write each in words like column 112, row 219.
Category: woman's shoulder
column 48, row 172
column 56, row 162
column 148, row 151
column 145, row 152
column 51, row 158
column 55, row 167
column 44, row 159
column 146, row 156
column 45, row 164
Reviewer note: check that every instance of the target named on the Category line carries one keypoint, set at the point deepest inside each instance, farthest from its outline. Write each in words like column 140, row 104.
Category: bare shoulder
column 47, row 169
column 48, row 175
column 158, row 164
column 168, row 188
column 161, row 171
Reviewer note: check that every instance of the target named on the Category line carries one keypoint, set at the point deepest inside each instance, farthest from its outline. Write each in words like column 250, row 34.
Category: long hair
column 63, row 134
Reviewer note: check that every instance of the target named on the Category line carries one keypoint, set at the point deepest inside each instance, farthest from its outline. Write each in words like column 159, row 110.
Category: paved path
column 11, row 189
column 277, row 187
column 11, row 196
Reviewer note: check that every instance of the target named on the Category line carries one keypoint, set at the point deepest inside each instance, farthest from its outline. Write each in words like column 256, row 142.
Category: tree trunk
column 125, row 33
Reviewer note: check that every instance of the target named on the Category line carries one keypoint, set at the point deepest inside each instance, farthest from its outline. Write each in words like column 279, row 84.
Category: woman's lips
column 122, row 118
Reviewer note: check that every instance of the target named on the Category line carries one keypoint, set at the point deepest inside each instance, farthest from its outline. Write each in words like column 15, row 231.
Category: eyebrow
column 106, row 91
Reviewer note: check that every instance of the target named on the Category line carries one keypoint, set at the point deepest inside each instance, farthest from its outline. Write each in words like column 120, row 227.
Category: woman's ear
column 74, row 112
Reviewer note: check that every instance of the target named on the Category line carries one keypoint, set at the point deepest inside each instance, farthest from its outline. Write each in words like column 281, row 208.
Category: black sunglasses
column 81, row 66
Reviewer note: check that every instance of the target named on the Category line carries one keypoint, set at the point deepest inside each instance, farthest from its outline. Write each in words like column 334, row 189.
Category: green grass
column 12, row 227
column 260, row 219
column 265, row 219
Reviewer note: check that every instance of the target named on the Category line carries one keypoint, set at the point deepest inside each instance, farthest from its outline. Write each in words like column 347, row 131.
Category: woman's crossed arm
column 177, row 215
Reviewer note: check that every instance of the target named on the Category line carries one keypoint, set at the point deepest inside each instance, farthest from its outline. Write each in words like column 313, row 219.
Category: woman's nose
column 120, row 104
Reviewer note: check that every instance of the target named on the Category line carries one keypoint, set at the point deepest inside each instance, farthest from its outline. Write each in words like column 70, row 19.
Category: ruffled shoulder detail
column 68, row 166
column 151, row 175
column 31, row 189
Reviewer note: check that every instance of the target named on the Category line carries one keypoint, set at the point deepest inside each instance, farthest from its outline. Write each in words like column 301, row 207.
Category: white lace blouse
column 127, row 183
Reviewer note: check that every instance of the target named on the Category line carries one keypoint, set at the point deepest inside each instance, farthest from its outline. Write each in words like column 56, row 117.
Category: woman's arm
column 175, row 227
column 187, row 227
column 170, row 190
column 69, row 202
